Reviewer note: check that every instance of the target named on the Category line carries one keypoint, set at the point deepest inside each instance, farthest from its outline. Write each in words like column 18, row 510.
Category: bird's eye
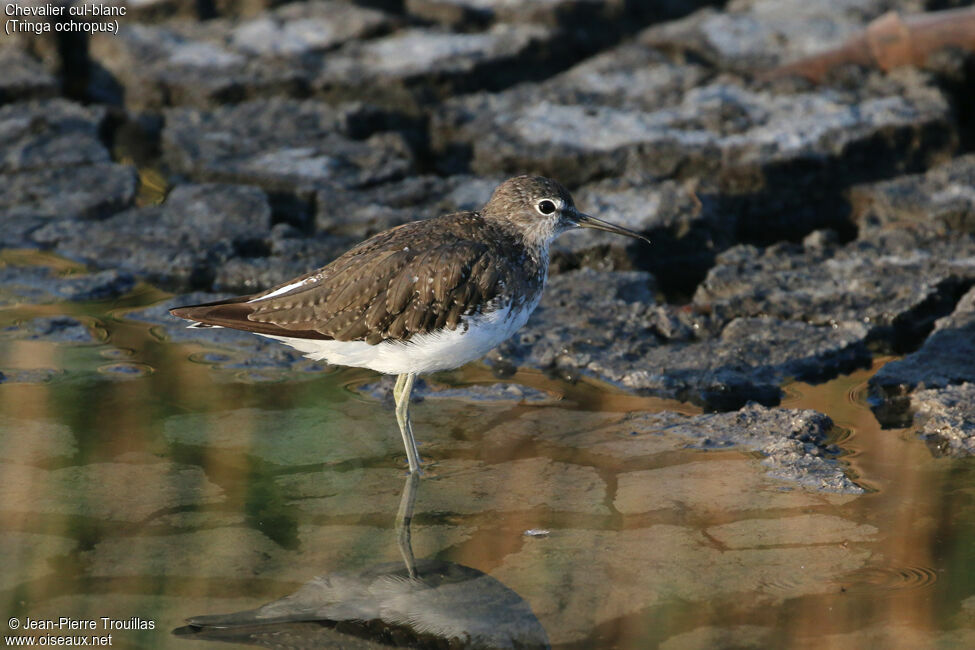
column 545, row 206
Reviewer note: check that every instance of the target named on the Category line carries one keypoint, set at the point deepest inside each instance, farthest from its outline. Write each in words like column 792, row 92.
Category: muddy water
column 141, row 484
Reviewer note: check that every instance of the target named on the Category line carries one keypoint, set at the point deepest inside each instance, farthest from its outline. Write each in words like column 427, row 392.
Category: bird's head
column 541, row 209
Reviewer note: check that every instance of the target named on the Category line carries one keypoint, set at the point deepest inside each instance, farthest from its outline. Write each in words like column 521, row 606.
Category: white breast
column 423, row 353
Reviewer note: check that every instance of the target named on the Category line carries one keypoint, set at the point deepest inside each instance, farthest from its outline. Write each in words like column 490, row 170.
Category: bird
column 422, row 297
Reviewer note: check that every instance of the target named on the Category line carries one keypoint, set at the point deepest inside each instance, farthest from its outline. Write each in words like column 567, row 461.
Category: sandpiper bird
column 425, row 296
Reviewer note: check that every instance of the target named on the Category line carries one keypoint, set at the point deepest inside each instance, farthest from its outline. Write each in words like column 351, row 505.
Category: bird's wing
column 375, row 292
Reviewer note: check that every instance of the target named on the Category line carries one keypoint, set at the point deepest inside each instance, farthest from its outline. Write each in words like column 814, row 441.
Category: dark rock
column 412, row 67
column 592, row 14
column 795, row 443
column 56, row 329
column 945, row 419
column 946, row 358
column 28, row 375
column 779, row 160
column 754, row 34
column 177, row 244
column 157, row 66
column 26, row 284
column 895, row 292
column 297, row 30
column 151, row 11
column 95, row 286
column 685, row 231
column 218, row 61
column 24, row 78
column 938, row 202
column 629, row 77
column 285, row 145
column 606, row 325
column 362, row 213
column 17, row 231
column 38, row 285
column 42, row 47
column 588, row 23
column 291, row 254
column 50, row 134
column 85, row 192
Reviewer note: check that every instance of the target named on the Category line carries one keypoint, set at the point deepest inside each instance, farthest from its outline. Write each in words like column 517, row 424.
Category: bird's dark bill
column 585, row 221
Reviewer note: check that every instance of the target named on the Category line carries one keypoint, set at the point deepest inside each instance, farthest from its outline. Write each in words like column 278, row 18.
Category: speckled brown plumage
column 416, row 278
column 423, row 297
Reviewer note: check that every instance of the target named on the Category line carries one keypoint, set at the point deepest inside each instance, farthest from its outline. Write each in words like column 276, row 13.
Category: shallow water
column 139, row 482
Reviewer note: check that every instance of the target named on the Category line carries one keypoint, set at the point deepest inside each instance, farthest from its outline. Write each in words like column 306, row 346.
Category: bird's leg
column 401, row 394
column 403, row 520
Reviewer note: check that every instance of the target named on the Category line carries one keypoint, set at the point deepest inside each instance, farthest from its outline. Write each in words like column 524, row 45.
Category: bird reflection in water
column 420, row 604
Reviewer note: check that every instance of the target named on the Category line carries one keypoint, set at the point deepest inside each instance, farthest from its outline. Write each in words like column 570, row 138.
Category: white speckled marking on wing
column 285, row 289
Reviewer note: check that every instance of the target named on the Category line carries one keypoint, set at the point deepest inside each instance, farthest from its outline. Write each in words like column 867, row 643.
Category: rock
column 219, row 61
column 939, row 202
column 895, row 292
column 629, row 78
column 83, row 192
column 26, row 284
column 95, row 286
column 28, row 375
column 42, row 47
column 945, row 419
column 779, row 160
column 151, row 11
column 177, row 244
column 589, row 23
column 621, row 337
column 412, row 67
column 685, row 232
column 298, row 30
column 946, row 358
column 365, row 212
column 24, row 78
column 151, row 67
column 38, row 285
column 754, row 34
column 794, row 443
column 286, row 146
column 591, row 14
column 50, row 134
column 17, row 231
column 55, row 329
column 291, row 254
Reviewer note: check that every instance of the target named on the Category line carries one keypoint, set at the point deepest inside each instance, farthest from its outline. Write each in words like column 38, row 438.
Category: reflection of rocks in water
column 444, row 603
